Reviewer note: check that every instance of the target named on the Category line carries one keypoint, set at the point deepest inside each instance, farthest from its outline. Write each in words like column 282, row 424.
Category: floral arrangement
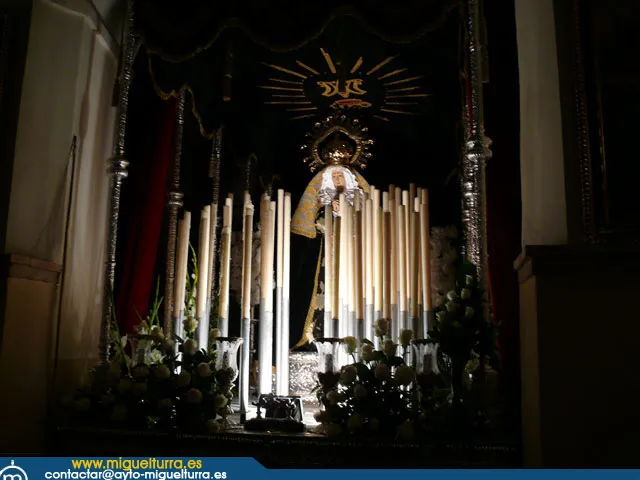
column 155, row 382
column 369, row 396
column 381, row 394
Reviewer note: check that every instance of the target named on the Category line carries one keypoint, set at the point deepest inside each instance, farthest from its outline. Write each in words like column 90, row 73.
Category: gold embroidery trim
column 307, row 331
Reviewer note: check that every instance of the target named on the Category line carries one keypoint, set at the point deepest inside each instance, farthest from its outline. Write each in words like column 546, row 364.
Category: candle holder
column 227, row 359
column 425, row 357
column 329, row 350
column 140, row 347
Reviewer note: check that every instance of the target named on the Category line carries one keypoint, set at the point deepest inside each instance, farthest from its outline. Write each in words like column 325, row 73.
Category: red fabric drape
column 146, row 205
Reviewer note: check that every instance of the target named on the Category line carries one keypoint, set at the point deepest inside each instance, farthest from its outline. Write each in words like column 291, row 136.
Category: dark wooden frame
column 586, row 181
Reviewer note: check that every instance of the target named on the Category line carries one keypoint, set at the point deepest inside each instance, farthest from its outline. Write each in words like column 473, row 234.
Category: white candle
column 357, row 241
column 386, row 265
column 402, row 266
column 344, row 265
column 247, row 239
column 182, row 257
column 203, row 263
column 405, row 244
column 271, row 252
column 369, row 255
column 213, row 225
column 286, row 281
column 280, row 239
column 225, row 265
column 426, row 251
column 328, row 265
column 337, row 241
column 393, row 210
column 264, row 233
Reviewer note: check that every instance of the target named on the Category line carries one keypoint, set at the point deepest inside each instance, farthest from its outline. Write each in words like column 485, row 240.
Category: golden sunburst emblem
column 382, row 90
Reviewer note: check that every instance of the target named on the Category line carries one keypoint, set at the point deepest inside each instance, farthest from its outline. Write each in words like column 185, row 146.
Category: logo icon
column 12, row 472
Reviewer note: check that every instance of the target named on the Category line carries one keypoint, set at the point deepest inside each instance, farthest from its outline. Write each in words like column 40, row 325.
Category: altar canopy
column 268, row 72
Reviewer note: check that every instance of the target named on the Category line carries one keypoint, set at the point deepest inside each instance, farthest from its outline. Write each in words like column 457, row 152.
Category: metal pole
column 118, row 172
column 174, row 204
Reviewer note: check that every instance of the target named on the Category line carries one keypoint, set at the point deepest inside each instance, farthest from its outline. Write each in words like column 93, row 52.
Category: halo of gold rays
column 402, row 90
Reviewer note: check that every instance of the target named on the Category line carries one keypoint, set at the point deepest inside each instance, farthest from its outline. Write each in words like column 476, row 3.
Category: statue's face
column 338, row 178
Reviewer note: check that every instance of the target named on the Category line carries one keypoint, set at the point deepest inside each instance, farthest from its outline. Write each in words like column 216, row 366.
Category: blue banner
column 160, row 468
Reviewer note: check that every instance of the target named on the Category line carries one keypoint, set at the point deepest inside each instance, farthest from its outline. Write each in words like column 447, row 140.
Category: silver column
column 118, row 172
column 477, row 152
column 174, row 204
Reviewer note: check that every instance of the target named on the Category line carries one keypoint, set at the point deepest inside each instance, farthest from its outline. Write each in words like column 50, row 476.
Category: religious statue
column 339, row 147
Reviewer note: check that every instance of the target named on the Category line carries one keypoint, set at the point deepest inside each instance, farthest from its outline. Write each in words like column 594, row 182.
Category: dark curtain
column 149, row 146
column 178, row 29
column 502, row 119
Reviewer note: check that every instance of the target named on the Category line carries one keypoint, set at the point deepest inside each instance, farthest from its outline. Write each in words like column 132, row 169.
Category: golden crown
column 337, row 140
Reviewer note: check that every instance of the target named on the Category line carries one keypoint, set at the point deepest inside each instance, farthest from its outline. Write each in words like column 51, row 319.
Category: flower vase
column 227, row 360
column 329, row 351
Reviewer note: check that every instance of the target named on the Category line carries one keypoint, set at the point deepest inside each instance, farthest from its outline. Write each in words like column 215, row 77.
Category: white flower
column 405, row 337
column 153, row 356
column 213, row 426
column 452, row 307
column 359, row 391
column 404, row 375
column 190, row 324
column 214, row 334
column 203, row 370
column 157, row 333
column 350, row 343
column 452, row 295
column 468, row 312
column 348, row 375
column 190, row 346
column 465, row 294
column 355, row 422
column 382, row 372
column 367, row 352
column 390, row 348
column 194, row 396
column 382, row 327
